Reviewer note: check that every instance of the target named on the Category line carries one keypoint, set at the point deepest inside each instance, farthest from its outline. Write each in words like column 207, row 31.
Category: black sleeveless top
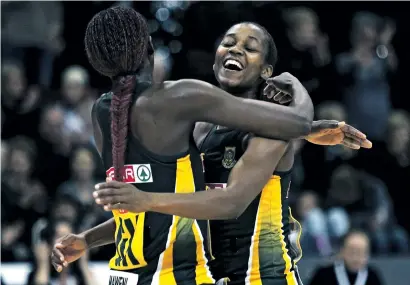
column 256, row 245
column 152, row 242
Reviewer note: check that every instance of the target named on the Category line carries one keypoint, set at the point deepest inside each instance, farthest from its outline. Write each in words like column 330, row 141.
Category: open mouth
column 232, row 64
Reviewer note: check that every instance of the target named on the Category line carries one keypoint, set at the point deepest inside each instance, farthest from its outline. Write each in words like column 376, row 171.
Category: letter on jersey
column 134, row 173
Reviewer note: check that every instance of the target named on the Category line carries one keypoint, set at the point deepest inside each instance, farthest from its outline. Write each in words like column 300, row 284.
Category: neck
column 242, row 93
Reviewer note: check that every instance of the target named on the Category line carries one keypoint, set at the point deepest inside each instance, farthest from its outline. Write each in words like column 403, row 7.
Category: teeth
column 233, row 62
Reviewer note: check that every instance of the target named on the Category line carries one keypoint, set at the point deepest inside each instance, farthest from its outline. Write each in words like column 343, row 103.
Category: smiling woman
column 245, row 58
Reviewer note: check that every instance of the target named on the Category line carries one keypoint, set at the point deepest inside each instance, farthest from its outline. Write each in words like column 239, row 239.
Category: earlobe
column 267, row 72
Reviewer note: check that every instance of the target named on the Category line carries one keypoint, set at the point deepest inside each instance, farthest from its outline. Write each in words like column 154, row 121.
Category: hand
column 114, row 195
column 331, row 132
column 280, row 88
column 67, row 249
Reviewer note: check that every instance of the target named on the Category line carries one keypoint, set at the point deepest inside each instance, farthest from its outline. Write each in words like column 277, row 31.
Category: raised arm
column 246, row 181
column 199, row 101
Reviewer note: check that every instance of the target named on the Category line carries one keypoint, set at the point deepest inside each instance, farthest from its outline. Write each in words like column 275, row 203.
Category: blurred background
column 350, row 56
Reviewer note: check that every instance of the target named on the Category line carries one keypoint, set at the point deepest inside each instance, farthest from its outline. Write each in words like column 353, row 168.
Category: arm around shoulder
column 200, row 101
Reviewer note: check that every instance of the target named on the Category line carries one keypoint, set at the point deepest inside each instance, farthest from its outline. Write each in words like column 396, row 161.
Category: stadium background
column 50, row 111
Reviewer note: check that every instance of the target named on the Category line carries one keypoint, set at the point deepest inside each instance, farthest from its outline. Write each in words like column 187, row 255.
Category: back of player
column 160, row 249
column 254, row 248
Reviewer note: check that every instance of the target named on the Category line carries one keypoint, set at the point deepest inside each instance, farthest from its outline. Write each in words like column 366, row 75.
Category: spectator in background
column 23, row 199
column 77, row 103
column 335, row 111
column 80, row 187
column 326, row 158
column 19, row 103
column 52, row 167
column 308, row 54
column 315, row 238
column 364, row 74
column 33, row 25
column 391, row 161
column 366, row 200
column 44, row 235
column 352, row 265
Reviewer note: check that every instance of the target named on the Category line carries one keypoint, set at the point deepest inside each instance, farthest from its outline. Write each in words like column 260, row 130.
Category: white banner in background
column 17, row 273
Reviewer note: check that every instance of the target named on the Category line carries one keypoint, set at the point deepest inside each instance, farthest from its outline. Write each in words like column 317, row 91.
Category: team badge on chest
column 229, row 157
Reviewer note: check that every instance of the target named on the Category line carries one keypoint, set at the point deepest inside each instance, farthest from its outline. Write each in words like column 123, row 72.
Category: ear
column 213, row 67
column 267, row 71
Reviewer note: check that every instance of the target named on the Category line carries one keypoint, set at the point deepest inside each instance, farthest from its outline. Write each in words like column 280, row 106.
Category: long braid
column 120, row 106
column 116, row 42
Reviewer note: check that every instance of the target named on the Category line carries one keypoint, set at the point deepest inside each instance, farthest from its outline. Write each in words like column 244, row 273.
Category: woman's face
column 240, row 58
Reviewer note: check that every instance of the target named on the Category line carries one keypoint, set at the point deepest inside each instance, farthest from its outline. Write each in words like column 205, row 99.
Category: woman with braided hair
column 144, row 136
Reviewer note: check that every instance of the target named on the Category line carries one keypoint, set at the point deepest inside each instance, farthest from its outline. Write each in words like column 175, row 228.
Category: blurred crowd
column 49, row 165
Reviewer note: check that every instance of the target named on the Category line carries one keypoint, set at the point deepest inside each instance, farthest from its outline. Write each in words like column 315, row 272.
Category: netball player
column 160, row 154
column 252, row 247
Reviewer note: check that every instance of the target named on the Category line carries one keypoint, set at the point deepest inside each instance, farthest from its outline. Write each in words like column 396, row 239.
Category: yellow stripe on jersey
column 129, row 232
column 299, row 229
column 277, row 218
column 165, row 272
column 268, row 241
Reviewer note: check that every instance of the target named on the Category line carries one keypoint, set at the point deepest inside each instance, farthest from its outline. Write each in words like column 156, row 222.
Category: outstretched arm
column 196, row 100
column 246, row 181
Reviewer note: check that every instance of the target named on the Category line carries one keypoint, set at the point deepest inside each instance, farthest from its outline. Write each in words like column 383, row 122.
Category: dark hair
column 116, row 42
column 353, row 232
column 272, row 54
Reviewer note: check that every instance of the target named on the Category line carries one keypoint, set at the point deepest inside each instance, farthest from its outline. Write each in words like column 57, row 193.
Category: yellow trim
column 299, row 236
column 184, row 183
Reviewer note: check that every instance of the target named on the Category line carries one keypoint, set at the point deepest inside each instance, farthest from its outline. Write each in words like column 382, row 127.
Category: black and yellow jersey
column 254, row 248
column 161, row 249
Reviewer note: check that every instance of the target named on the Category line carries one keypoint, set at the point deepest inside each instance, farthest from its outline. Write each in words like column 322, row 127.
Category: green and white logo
column 144, row 173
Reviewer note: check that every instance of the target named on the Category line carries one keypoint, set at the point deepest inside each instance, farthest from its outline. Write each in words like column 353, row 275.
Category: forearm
column 204, row 205
column 100, row 235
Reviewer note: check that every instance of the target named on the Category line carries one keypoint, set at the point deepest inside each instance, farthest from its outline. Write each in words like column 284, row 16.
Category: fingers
column 351, row 143
column 366, row 144
column 105, row 192
column 269, row 91
column 57, row 257
column 285, row 99
column 351, row 131
column 117, row 206
column 109, row 184
column 105, row 200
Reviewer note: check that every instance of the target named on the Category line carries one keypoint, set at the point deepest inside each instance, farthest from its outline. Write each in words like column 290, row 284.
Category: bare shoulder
column 186, row 87
column 201, row 131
